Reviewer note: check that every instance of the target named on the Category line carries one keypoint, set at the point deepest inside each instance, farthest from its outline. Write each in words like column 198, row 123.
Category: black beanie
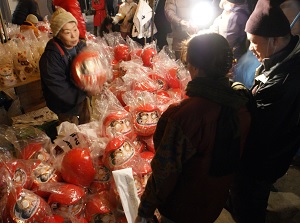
column 268, row 20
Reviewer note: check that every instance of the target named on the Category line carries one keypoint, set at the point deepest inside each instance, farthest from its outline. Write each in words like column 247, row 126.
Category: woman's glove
column 114, row 20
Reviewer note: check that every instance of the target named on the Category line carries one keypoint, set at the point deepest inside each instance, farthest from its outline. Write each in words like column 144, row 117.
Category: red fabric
column 99, row 6
column 73, row 7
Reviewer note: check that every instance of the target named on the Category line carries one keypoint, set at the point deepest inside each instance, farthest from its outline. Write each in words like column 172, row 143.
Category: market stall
column 42, row 179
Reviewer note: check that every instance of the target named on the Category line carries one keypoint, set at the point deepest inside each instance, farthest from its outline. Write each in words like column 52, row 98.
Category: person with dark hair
column 62, row 96
column 23, row 9
column 197, row 141
column 274, row 137
column 106, row 26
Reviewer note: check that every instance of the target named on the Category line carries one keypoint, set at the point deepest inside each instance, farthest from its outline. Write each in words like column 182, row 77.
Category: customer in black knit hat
column 274, row 137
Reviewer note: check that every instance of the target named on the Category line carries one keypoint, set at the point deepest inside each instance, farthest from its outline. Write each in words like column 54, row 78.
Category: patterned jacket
column 181, row 185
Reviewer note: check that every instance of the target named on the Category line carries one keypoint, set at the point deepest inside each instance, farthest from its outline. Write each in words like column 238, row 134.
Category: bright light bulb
column 202, row 14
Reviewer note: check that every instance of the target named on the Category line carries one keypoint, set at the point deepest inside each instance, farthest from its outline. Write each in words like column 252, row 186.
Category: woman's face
column 69, row 35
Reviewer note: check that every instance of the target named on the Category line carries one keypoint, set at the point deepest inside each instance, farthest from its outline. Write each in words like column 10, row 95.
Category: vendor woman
column 62, row 96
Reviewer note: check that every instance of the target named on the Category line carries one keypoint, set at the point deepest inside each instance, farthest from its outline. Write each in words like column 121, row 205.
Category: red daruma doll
column 77, row 167
column 145, row 170
column 19, row 171
column 118, row 123
column 145, row 119
column 88, row 71
column 160, row 81
column 102, row 178
column 121, row 52
column 43, row 173
column 98, row 208
column 119, row 153
column 25, row 206
column 35, row 150
column 147, row 56
column 67, row 199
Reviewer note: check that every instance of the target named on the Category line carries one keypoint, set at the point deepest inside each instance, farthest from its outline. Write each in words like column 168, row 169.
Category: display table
column 29, row 93
column 30, row 79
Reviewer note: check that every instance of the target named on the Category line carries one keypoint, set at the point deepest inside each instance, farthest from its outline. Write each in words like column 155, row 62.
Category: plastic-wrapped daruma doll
column 42, row 174
column 122, row 52
column 119, row 153
column 19, row 172
column 35, row 150
column 77, row 167
column 145, row 170
column 147, row 56
column 160, row 81
column 172, row 78
column 98, row 208
column 145, row 119
column 88, row 71
column 102, row 179
column 67, row 199
column 25, row 206
column 118, row 123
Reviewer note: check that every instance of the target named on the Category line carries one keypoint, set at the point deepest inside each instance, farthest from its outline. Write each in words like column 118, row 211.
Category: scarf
column 216, row 90
column 226, row 152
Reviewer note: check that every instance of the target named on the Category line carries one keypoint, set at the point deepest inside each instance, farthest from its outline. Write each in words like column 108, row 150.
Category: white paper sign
column 128, row 193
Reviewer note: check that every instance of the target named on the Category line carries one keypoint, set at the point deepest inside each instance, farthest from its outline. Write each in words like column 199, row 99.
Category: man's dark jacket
column 23, row 9
column 275, row 135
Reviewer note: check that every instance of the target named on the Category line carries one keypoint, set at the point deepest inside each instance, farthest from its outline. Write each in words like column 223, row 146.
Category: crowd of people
column 212, row 149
